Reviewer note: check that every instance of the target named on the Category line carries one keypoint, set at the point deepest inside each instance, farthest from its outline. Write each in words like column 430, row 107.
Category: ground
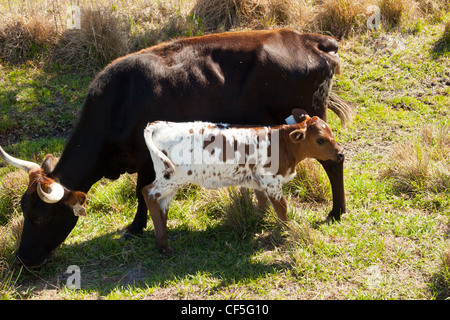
column 393, row 243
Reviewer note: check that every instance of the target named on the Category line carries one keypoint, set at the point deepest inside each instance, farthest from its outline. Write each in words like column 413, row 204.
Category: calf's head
column 317, row 140
column 50, row 211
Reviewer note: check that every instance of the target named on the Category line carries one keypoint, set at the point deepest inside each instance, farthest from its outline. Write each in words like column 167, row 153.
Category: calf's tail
column 169, row 166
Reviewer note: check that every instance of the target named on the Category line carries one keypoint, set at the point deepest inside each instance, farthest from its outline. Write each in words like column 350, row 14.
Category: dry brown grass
column 310, row 182
column 433, row 8
column 341, row 17
column 423, row 165
column 23, row 39
column 12, row 186
column 10, row 235
column 227, row 14
column 102, row 38
column 394, row 12
column 446, row 35
column 38, row 29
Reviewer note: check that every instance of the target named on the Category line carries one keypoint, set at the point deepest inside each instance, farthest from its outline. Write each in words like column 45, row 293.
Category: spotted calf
column 220, row 155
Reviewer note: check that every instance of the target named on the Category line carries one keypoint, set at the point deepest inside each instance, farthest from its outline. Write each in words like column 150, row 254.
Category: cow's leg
column 145, row 177
column 280, row 207
column 261, row 198
column 335, row 172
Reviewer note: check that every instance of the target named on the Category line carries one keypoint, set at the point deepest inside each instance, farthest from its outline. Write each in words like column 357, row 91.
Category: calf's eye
column 320, row 141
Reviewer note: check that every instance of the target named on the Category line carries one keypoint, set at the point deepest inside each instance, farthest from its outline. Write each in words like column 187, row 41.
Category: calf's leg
column 261, row 198
column 159, row 218
column 280, row 207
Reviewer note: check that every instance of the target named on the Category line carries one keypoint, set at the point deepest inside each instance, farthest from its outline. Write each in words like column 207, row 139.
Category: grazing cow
column 250, row 78
column 217, row 155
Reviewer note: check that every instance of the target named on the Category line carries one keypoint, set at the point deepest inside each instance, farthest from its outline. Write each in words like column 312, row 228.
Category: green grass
column 38, row 103
column 392, row 243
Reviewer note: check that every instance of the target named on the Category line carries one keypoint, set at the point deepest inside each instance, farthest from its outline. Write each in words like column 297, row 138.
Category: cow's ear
column 298, row 135
column 48, row 164
column 300, row 115
column 75, row 201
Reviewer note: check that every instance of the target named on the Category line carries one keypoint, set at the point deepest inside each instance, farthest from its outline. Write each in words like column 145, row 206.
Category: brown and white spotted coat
column 219, row 155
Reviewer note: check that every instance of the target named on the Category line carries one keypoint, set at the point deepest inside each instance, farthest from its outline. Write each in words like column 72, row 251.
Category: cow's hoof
column 165, row 250
column 334, row 216
column 132, row 233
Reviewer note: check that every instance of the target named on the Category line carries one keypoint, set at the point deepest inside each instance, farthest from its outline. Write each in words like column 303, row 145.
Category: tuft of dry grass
column 12, row 187
column 435, row 9
column 446, row 35
column 393, row 12
column 218, row 14
column 341, row 17
column 227, row 14
column 238, row 209
column 423, row 165
column 10, row 235
column 23, row 39
column 310, row 182
column 102, row 38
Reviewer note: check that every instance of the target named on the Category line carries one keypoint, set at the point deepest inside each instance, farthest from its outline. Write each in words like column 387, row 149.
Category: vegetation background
column 392, row 244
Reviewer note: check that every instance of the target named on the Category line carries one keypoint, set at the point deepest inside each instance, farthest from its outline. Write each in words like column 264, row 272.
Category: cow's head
column 317, row 140
column 50, row 211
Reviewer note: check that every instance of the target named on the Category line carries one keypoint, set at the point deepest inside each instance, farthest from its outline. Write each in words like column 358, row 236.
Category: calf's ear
column 297, row 135
column 75, row 200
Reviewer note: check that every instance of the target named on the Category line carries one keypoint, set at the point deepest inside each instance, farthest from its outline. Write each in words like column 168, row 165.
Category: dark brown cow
column 251, row 78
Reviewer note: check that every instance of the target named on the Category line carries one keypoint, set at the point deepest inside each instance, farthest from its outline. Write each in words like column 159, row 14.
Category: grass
column 392, row 244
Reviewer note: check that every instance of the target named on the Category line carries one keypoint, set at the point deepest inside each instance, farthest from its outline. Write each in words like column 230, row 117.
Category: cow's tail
column 168, row 164
column 341, row 108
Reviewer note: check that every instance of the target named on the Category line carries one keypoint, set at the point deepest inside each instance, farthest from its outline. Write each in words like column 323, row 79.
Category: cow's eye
column 320, row 141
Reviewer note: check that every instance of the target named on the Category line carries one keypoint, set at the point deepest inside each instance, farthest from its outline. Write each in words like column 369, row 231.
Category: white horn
column 22, row 164
column 56, row 193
